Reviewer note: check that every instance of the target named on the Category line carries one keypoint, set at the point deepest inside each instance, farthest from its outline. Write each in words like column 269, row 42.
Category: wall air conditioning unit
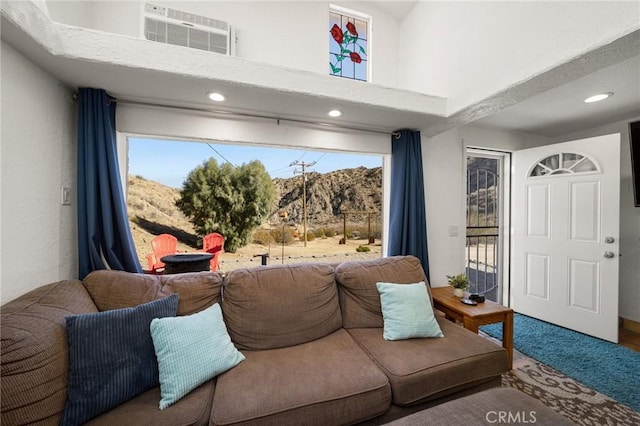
column 165, row 25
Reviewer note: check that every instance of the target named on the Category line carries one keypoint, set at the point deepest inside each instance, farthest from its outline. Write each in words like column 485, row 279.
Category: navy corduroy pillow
column 111, row 358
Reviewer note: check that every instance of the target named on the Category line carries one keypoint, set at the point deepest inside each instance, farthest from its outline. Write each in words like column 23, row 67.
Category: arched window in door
column 563, row 163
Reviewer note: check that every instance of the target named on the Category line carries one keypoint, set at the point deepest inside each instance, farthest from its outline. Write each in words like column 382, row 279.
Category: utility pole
column 284, row 215
column 303, row 172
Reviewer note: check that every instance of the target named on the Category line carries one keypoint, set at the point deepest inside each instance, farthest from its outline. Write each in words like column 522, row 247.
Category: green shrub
column 363, row 249
column 227, row 199
column 310, row 236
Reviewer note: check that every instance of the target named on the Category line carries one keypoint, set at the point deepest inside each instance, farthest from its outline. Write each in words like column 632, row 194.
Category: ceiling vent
column 171, row 26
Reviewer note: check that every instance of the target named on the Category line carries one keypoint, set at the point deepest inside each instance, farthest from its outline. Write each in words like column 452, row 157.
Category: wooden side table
column 472, row 317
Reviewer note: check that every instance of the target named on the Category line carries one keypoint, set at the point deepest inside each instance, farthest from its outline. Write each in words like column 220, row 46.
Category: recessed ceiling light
column 217, row 97
column 598, row 97
column 335, row 113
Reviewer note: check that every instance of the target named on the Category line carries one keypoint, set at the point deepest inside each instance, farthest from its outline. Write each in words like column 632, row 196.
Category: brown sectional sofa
column 311, row 335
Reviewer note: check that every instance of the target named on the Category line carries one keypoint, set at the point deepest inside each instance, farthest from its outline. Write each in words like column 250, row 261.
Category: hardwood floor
column 629, row 339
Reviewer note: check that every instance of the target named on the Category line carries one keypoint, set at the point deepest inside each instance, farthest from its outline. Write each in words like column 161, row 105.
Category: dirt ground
column 318, row 250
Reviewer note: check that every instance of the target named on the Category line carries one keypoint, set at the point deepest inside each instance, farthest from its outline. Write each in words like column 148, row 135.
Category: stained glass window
column 348, row 45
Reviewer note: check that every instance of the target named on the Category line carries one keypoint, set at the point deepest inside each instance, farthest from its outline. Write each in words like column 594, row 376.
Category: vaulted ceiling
column 550, row 104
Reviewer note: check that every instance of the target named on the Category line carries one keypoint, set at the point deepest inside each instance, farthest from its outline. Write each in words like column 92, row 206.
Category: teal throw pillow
column 191, row 350
column 407, row 311
column 111, row 358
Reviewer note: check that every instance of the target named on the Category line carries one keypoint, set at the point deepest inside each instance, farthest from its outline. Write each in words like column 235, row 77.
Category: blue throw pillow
column 407, row 311
column 111, row 358
column 191, row 350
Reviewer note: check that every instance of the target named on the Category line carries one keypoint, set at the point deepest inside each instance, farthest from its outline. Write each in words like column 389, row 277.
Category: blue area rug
column 611, row 369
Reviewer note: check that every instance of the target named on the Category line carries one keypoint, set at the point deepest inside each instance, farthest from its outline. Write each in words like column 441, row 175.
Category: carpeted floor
column 603, row 366
column 579, row 403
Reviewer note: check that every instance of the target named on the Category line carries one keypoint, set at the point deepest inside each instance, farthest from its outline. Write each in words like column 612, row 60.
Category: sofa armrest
column 35, row 357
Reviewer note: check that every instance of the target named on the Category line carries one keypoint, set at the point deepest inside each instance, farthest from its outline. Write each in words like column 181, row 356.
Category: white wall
column 443, row 158
column 290, row 34
column 38, row 158
column 629, row 218
column 470, row 50
column 68, row 12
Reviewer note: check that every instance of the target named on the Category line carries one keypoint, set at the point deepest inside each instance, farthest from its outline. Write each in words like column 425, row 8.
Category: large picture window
column 327, row 205
column 349, row 44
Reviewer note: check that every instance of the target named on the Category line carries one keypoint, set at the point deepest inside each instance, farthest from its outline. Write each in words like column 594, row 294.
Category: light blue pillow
column 407, row 311
column 191, row 350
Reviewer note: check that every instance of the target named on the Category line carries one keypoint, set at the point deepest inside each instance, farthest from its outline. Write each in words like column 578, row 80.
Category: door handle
column 609, row 240
column 609, row 254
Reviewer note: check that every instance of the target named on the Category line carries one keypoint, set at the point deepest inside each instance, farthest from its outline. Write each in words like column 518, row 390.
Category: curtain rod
column 252, row 115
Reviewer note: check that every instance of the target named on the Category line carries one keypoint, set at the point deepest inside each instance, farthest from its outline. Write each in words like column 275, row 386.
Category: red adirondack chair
column 213, row 243
column 162, row 245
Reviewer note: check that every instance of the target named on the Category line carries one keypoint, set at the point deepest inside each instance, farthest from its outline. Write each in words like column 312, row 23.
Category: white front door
column 566, row 201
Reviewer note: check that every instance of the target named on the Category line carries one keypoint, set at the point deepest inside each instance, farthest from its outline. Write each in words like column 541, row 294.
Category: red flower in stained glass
column 352, row 28
column 336, row 32
column 355, row 57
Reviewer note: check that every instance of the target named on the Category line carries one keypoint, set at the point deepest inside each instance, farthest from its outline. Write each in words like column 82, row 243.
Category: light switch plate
column 453, row 230
column 65, row 195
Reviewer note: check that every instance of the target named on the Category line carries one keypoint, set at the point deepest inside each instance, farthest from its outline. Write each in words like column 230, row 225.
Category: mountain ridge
column 329, row 194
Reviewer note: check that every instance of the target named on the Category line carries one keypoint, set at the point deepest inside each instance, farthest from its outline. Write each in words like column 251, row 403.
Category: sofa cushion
column 407, row 311
column 283, row 305
column 424, row 369
column 359, row 297
column 35, row 354
column 111, row 358
column 191, row 350
column 193, row 409
column 118, row 289
column 327, row 381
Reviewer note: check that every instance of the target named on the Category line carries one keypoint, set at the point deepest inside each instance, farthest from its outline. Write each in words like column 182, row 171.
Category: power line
column 281, row 168
column 321, row 157
column 297, row 161
column 222, row 156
